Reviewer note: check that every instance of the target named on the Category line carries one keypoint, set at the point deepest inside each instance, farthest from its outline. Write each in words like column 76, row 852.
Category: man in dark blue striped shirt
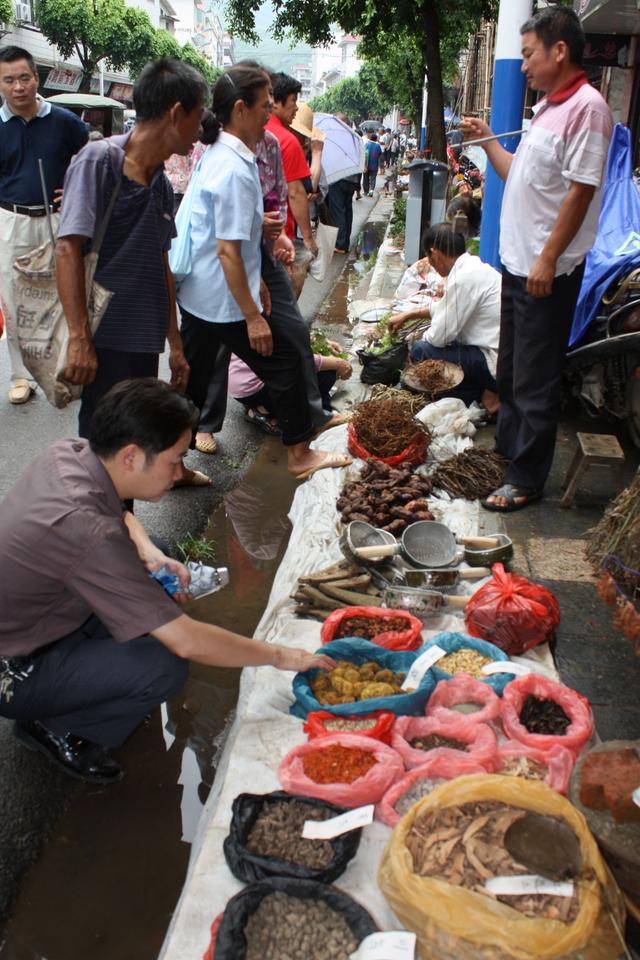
column 30, row 130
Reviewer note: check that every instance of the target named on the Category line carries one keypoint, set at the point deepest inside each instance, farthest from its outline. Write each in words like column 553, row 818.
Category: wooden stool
column 600, row 449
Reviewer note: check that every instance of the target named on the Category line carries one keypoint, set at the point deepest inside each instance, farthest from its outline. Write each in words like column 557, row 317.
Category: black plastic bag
column 230, row 941
column 250, row 867
column 384, row 367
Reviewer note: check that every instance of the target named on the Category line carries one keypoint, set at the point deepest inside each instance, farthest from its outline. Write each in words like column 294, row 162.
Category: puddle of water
column 354, row 280
column 108, row 879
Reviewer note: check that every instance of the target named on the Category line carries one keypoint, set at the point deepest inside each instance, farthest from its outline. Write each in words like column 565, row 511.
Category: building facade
column 331, row 64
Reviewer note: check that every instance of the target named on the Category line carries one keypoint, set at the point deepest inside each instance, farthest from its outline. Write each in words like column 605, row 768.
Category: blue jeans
column 477, row 376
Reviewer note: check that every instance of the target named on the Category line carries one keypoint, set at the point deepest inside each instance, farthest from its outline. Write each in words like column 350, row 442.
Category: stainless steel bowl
column 486, row 556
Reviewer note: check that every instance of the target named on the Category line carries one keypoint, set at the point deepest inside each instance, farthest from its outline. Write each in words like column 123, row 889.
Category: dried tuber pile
column 387, row 497
column 277, row 832
column 464, row 845
column 471, row 475
column 368, row 628
column 384, row 427
column 341, row 585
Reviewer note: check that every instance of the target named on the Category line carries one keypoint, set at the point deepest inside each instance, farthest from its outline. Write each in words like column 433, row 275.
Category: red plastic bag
column 414, row 453
column 463, row 689
column 366, row 789
column 576, row 707
column 408, row 639
column 441, row 768
column 558, row 761
column 512, row 612
column 481, row 740
column 315, row 725
column 211, row 949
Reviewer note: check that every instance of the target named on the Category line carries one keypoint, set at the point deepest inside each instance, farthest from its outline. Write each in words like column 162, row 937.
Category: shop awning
column 608, row 16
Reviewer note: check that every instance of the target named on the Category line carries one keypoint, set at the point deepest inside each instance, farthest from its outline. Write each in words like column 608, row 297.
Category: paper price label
column 506, row 666
column 398, row 945
column 421, row 665
column 526, row 885
column 635, row 796
column 327, row 829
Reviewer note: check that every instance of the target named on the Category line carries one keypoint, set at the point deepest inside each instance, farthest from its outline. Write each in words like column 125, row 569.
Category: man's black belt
column 24, row 210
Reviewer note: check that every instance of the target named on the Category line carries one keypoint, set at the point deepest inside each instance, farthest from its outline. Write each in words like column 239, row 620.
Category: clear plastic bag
column 408, row 639
column 481, row 739
column 453, row 922
column 558, row 761
column 576, row 707
column 464, row 689
column 436, row 768
column 366, row 789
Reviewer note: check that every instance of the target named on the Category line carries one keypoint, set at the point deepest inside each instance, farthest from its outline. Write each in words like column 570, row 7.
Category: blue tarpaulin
column 616, row 250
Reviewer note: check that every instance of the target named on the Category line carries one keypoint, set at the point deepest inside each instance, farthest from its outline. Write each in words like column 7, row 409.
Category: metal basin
column 486, row 556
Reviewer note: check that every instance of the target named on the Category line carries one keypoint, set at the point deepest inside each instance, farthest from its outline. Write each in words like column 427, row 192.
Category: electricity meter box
column 426, row 204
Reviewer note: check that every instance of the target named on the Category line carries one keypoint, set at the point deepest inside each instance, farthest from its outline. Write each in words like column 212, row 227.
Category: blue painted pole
column 507, row 104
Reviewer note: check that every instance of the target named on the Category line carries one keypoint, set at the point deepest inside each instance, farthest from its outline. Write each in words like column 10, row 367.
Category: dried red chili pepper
column 337, row 764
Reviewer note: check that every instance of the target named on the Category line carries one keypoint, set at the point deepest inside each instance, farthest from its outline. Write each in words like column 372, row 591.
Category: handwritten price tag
column 398, row 945
column 506, row 666
column 420, row 666
column 526, row 885
column 328, row 829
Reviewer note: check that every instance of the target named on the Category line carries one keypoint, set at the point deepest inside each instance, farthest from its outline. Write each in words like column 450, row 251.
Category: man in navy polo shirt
column 30, row 130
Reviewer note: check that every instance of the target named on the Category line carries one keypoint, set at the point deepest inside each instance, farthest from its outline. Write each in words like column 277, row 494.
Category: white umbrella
column 343, row 152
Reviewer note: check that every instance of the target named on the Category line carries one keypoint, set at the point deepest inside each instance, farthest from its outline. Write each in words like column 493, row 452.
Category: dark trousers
column 340, row 199
column 113, row 366
column 534, row 335
column 369, row 180
column 280, row 371
column 326, row 380
column 477, row 376
column 89, row 685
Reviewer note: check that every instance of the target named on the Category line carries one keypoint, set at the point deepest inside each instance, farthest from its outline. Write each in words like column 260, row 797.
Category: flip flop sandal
column 263, row 421
column 332, row 461
column 511, row 493
column 196, row 479
column 207, row 444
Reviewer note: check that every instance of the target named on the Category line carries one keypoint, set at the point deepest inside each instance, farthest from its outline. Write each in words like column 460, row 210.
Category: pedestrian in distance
column 89, row 642
column 340, row 199
column 372, row 155
column 31, row 129
column 548, row 224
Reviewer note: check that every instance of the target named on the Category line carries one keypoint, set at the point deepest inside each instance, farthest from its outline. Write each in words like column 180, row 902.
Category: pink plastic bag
column 315, row 725
column 576, row 707
column 441, row 767
column 481, row 740
column 366, row 789
column 463, row 689
column 512, row 612
column 558, row 761
column 408, row 639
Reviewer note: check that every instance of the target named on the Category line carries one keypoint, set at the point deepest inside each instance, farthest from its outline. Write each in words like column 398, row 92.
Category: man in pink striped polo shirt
column 548, row 224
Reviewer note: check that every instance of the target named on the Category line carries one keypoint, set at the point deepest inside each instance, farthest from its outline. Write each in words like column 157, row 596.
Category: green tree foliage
column 359, row 97
column 436, row 26
column 97, row 30
column 6, row 11
column 190, row 55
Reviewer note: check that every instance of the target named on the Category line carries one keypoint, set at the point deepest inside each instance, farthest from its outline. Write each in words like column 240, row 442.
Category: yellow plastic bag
column 453, row 922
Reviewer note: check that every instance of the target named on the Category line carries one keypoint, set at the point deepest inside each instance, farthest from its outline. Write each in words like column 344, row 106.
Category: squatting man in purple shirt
column 89, row 642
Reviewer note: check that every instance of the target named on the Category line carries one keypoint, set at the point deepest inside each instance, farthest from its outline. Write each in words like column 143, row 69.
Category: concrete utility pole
column 507, row 104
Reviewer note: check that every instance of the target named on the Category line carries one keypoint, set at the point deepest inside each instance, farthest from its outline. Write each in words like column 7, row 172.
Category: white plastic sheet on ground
column 263, row 732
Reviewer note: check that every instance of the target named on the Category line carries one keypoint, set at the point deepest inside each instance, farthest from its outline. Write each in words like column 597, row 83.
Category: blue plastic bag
column 457, row 641
column 180, row 252
column 359, row 651
column 616, row 250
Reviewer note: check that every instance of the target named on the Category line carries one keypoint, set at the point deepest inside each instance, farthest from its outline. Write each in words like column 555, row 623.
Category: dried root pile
column 432, row 375
column 464, row 845
column 412, row 401
column 614, row 552
column 473, row 474
column 385, row 427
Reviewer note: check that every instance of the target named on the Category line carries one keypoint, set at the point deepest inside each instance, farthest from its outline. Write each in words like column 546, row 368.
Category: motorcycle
column 604, row 370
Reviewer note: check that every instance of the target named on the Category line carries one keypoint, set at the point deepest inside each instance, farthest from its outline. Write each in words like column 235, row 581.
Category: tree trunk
column 436, row 137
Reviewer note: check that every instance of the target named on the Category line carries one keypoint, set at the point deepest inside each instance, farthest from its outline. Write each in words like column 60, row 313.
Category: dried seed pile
column 336, row 764
column 471, row 475
column 277, row 832
column 387, row 497
column 524, row 767
column 350, row 726
column 341, row 585
column 349, row 682
column 288, row 928
column 432, row 375
column 370, row 627
column 465, row 660
column 434, row 740
column 544, row 716
column 421, row 788
column 385, row 427
column 464, row 845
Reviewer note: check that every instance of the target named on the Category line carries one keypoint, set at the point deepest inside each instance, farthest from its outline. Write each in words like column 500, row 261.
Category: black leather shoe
column 76, row 756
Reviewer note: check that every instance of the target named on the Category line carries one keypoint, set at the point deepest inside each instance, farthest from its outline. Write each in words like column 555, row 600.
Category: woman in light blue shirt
column 220, row 299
